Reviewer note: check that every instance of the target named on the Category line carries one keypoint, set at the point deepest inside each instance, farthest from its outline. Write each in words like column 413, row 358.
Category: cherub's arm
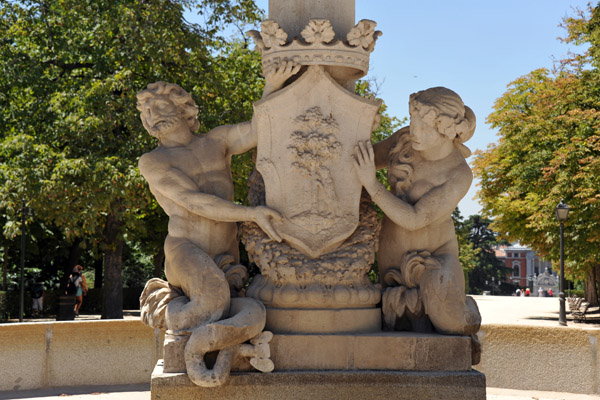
column 237, row 139
column 435, row 204
column 382, row 149
column 242, row 137
column 180, row 189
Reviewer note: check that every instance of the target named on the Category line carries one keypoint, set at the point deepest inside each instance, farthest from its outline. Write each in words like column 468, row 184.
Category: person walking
column 78, row 283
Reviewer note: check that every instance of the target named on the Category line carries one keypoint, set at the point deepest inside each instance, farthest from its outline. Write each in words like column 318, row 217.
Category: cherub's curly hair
column 444, row 109
column 177, row 95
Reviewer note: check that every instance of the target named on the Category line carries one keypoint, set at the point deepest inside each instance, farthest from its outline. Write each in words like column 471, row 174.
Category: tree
column 488, row 267
column 70, row 135
column 549, row 148
column 467, row 254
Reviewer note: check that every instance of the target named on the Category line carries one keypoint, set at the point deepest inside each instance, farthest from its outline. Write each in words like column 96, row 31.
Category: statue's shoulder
column 153, row 159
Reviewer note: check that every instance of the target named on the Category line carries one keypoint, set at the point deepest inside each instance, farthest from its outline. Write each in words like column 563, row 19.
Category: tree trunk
column 112, row 306
column 98, row 277
column 591, row 285
column 5, row 270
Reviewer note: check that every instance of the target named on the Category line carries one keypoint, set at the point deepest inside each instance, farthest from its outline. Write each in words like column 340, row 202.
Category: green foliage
column 467, row 254
column 549, row 148
column 70, row 135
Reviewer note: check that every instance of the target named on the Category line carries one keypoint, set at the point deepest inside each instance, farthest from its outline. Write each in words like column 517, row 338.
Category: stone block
column 23, row 356
column 380, row 351
column 326, row 385
column 76, row 353
column 174, row 350
column 339, row 321
column 559, row 359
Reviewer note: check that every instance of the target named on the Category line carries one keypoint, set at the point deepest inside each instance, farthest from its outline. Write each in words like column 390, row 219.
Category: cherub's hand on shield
column 277, row 74
column 264, row 217
column 364, row 163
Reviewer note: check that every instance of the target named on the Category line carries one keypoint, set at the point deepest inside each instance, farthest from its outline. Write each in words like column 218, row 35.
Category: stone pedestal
column 326, row 385
column 392, row 351
column 367, row 366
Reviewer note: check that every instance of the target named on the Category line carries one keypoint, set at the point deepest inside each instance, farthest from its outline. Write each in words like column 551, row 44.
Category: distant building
column 524, row 265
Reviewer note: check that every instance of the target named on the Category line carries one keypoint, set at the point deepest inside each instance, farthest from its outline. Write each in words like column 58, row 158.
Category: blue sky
column 474, row 47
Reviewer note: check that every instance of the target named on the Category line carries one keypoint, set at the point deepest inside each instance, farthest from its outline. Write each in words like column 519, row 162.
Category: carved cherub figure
column 191, row 179
column 418, row 250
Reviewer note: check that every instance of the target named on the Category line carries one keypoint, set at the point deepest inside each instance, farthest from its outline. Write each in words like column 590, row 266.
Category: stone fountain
column 312, row 324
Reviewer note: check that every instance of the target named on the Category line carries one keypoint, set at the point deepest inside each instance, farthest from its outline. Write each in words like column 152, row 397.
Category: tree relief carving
column 313, row 146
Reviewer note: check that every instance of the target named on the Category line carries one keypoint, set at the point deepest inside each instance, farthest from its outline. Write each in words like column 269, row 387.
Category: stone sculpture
column 190, row 177
column 418, row 250
column 312, row 229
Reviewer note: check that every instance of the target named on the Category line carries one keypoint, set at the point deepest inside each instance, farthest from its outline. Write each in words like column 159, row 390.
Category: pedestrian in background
column 78, row 286
column 37, row 299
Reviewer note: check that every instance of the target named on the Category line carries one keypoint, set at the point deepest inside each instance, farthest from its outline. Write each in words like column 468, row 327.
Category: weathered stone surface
column 320, row 385
column 306, row 137
column 347, row 320
column 315, row 235
column 174, row 352
column 293, row 16
column 40, row 354
column 289, row 279
column 526, row 357
column 377, row 351
column 190, row 177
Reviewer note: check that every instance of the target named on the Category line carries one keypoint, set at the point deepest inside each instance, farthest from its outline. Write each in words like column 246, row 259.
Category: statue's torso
column 205, row 162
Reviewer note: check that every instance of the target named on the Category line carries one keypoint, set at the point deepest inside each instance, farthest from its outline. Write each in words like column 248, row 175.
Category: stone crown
column 318, row 45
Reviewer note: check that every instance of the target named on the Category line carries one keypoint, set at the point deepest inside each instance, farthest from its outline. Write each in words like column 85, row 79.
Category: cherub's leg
column 443, row 294
column 202, row 281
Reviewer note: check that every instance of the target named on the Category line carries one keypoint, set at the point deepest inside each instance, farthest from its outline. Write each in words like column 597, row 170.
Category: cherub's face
column 160, row 116
column 423, row 133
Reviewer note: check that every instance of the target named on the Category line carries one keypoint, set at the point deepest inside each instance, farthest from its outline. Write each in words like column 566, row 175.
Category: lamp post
column 562, row 214
column 22, row 277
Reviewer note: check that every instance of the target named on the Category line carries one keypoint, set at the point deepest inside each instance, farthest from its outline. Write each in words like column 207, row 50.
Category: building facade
column 524, row 265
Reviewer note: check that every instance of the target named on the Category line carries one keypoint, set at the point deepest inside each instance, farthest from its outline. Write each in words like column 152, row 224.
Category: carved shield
column 307, row 133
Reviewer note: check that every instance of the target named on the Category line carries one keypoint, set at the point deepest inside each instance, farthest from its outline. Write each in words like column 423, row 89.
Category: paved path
column 513, row 310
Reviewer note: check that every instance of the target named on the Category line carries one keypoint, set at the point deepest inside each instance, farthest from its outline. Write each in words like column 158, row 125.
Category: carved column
column 316, row 281
column 292, row 15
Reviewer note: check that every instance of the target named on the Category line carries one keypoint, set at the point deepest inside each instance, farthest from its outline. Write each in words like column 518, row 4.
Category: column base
column 326, row 385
